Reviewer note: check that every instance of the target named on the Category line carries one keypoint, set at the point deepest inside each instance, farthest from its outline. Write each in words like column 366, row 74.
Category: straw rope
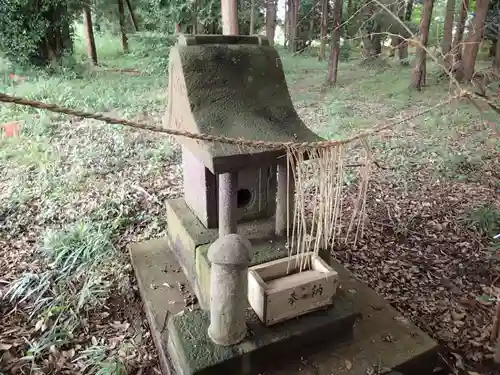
column 6, row 98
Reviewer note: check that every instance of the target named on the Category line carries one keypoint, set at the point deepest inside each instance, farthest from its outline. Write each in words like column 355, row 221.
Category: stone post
column 282, row 204
column 230, row 256
column 228, row 203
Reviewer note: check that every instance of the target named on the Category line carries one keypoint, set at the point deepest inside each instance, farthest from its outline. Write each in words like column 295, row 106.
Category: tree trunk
column 89, row 35
column 473, row 40
column 333, row 61
column 294, row 12
column 448, row 34
column 394, row 45
column 287, row 24
column 198, row 27
column 456, row 51
column 229, row 17
column 291, row 27
column 252, row 18
column 399, row 9
column 408, row 10
column 132, row 15
column 496, row 60
column 403, row 52
column 324, row 29
column 418, row 76
column 177, row 28
column 310, row 35
column 270, row 20
column 121, row 17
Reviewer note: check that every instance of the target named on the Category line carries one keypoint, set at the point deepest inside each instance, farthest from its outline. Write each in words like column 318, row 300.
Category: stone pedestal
column 190, row 241
column 324, row 340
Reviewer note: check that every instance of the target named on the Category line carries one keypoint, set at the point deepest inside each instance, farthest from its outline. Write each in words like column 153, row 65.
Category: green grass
column 82, row 269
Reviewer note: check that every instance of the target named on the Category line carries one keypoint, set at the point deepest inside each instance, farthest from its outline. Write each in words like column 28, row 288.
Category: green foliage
column 345, row 51
column 485, row 220
column 162, row 16
column 72, row 283
column 29, row 27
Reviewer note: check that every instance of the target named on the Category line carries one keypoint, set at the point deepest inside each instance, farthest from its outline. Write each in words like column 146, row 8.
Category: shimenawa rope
column 6, row 98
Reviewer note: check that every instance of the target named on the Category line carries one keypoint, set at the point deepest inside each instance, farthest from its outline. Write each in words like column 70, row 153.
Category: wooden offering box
column 276, row 295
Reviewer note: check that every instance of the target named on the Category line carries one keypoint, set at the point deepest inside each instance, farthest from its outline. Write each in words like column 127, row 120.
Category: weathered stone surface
column 381, row 338
column 265, row 250
column 156, row 266
column 230, row 256
column 189, row 40
column 237, row 91
column 186, row 233
column 196, row 354
column 201, row 191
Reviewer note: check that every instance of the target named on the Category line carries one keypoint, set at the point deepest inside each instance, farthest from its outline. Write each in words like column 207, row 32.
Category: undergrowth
column 79, row 269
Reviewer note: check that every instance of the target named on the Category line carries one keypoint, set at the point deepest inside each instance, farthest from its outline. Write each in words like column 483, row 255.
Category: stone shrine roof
column 233, row 90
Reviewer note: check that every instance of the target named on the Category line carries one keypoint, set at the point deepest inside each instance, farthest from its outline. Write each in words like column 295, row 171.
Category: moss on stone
column 200, row 356
column 191, row 330
column 264, row 251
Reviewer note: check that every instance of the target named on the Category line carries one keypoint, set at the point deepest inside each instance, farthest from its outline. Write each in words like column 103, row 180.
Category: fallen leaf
column 457, row 316
column 348, row 364
column 39, row 325
column 459, row 361
column 5, row 347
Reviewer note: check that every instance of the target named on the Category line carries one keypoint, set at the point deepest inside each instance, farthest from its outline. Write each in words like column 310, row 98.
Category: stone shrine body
column 228, row 233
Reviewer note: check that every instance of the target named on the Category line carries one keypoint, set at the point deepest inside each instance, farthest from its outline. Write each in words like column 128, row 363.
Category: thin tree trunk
column 198, row 27
column 132, row 15
column 448, row 34
column 177, row 28
column 324, row 29
column 252, row 17
column 270, row 20
column 473, row 40
column 459, row 34
column 229, row 17
column 496, row 60
column 394, row 45
column 287, row 24
column 333, row 61
column 290, row 23
column 399, row 8
column 403, row 52
column 121, row 17
column 294, row 24
column 418, row 76
column 408, row 10
column 310, row 35
column 89, row 35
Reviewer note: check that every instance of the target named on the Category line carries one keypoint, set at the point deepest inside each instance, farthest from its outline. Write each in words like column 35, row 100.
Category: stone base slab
column 194, row 353
column 382, row 338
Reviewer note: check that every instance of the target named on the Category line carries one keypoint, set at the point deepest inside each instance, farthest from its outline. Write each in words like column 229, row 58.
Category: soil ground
column 74, row 193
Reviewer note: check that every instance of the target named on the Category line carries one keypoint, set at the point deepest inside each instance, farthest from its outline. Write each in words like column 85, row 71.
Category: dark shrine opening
column 244, row 197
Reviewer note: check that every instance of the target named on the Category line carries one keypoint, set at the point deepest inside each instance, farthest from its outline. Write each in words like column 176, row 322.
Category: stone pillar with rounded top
column 230, row 256
column 228, row 203
column 284, row 197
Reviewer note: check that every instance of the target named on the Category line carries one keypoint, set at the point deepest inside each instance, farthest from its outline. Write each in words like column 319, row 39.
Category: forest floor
column 74, row 193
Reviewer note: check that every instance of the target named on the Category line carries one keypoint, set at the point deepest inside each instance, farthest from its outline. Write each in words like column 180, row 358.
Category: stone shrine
column 233, row 216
